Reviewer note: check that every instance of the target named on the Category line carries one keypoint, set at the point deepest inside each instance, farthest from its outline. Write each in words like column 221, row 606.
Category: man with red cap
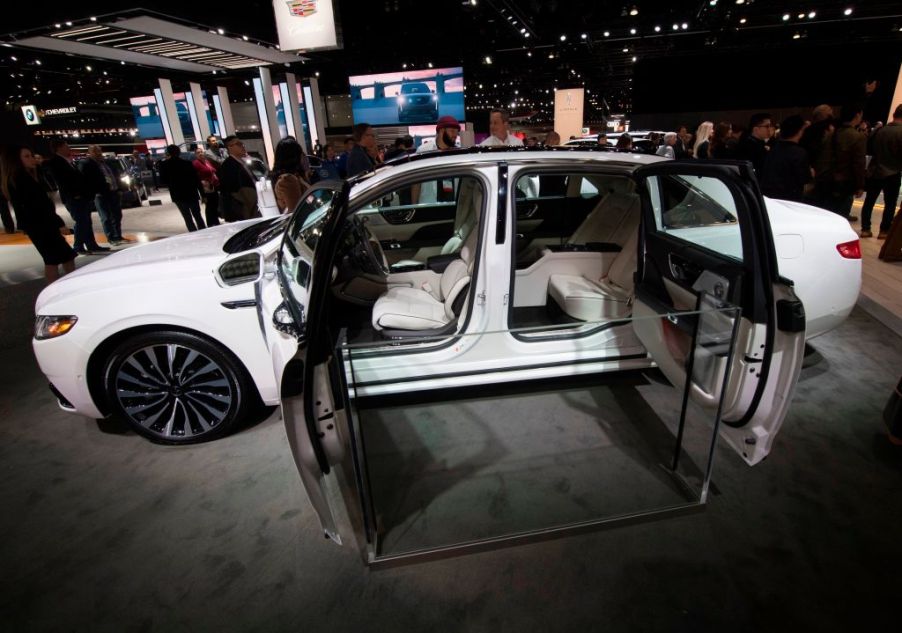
column 446, row 132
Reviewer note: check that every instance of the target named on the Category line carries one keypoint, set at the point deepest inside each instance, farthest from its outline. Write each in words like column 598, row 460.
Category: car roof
column 555, row 156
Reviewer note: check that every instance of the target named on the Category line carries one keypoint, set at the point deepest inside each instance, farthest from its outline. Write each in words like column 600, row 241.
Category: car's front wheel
column 176, row 388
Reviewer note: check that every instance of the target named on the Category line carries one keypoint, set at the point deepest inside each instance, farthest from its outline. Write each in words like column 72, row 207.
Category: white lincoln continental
column 564, row 256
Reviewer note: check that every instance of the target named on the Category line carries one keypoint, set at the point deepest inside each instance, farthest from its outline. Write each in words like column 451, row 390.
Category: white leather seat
column 610, row 221
column 426, row 308
column 610, row 296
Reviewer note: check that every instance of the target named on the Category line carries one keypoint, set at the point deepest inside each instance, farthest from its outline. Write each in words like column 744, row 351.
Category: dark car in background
column 132, row 189
column 417, row 101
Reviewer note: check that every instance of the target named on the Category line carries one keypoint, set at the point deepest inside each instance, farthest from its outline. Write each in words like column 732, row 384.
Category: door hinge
column 506, row 297
column 480, row 299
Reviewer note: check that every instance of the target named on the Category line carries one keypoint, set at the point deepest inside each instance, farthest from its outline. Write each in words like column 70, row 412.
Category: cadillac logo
column 301, row 8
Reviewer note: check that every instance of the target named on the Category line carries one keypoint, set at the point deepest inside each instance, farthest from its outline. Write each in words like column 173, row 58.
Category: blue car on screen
column 417, row 102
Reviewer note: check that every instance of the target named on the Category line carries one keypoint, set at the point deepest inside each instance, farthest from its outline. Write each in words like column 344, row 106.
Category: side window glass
column 698, row 209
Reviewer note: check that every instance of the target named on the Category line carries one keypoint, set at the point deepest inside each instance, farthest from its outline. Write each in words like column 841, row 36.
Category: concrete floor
column 103, row 531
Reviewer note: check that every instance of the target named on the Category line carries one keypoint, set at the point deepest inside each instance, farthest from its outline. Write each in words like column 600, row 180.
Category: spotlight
column 634, row 10
column 220, row 31
column 563, row 38
column 812, row 15
column 847, row 11
column 657, row 29
column 786, row 17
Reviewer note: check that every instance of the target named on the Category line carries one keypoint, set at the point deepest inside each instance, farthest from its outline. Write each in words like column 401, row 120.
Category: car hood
column 178, row 257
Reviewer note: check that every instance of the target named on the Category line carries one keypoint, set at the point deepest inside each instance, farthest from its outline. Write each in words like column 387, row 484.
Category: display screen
column 408, row 97
column 149, row 122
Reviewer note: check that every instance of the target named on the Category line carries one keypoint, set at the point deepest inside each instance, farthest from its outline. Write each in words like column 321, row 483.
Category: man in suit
column 237, row 185
column 75, row 195
column 184, row 187
column 103, row 181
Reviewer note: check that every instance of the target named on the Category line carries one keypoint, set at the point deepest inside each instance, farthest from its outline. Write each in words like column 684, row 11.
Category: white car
column 541, row 258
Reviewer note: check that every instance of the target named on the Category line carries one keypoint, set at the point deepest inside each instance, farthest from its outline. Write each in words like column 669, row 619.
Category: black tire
column 176, row 388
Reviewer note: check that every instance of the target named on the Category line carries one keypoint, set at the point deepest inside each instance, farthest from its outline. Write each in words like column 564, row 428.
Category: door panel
column 706, row 241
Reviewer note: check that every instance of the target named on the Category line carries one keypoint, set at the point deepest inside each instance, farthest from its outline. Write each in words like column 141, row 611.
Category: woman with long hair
column 289, row 174
column 35, row 211
column 702, row 138
column 722, row 143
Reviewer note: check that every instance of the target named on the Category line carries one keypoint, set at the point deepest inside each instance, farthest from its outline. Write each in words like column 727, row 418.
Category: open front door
column 706, row 239
column 311, row 378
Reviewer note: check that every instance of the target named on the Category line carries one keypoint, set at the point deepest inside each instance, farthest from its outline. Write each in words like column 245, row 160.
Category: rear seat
column 611, row 296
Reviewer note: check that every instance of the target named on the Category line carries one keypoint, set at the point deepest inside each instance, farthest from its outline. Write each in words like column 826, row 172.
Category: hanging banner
column 568, row 112
column 305, row 25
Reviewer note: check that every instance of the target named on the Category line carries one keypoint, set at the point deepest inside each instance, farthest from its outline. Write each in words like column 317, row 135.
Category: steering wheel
column 372, row 249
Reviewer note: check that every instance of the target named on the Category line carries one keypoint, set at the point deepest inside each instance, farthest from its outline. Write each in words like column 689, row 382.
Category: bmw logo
column 29, row 114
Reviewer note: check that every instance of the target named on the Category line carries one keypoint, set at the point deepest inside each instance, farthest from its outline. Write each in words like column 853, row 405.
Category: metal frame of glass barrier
column 705, row 307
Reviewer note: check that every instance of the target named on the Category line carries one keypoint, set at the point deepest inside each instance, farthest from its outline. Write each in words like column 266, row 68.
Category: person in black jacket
column 75, row 195
column 103, row 181
column 786, row 168
column 754, row 145
column 237, row 186
column 35, row 211
column 184, row 187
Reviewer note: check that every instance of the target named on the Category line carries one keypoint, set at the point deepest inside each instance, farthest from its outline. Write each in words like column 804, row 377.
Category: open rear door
column 705, row 232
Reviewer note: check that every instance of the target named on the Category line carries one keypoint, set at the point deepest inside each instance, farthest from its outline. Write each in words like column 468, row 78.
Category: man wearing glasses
column 754, row 145
column 237, row 185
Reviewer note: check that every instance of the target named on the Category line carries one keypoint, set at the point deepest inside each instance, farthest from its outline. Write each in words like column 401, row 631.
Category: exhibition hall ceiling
column 514, row 52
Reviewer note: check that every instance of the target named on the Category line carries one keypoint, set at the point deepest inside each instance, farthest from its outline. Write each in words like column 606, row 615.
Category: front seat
column 405, row 311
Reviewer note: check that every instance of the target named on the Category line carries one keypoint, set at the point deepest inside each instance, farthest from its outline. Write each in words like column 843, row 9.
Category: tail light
column 850, row 250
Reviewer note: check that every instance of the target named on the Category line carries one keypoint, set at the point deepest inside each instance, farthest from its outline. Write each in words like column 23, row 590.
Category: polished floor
column 103, row 531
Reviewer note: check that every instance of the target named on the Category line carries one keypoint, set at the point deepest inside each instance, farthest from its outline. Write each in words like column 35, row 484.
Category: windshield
column 256, row 235
column 407, row 89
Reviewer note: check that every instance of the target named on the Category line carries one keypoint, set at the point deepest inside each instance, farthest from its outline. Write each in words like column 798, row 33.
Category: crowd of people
column 827, row 160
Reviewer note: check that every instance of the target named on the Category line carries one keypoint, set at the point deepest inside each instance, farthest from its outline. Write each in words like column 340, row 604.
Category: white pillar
column 223, row 111
column 266, row 109
column 168, row 113
column 200, row 122
column 316, row 114
column 897, row 97
column 293, row 110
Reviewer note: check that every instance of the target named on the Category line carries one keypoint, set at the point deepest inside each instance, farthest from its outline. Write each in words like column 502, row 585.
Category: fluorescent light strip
column 87, row 29
column 117, row 39
column 146, row 42
column 88, row 38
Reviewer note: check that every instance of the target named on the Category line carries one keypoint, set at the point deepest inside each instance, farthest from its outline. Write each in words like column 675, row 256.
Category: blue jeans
column 110, row 210
column 80, row 210
column 890, row 188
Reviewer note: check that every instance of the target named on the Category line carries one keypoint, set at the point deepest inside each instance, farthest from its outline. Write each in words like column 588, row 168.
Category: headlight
column 240, row 270
column 53, row 326
column 126, row 179
column 402, row 100
column 435, row 97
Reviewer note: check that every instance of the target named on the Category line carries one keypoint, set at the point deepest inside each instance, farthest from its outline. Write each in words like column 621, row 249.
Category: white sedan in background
column 552, row 252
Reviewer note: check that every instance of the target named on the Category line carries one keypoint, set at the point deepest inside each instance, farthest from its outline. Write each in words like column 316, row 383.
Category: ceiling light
column 563, row 38
column 676, row 27
column 583, row 36
column 713, row 3
column 657, row 29
column 786, row 17
column 634, row 58
column 523, row 30
column 632, row 31
column 14, row 58
column 57, row 26
column 244, row 37
column 847, row 11
column 316, row 73
column 247, row 83
column 88, row 68
column 742, row 20
column 684, row 26
column 626, row 50
column 429, row 64
column 796, row 36
column 607, row 33
column 68, row 24
column 488, row 59
column 526, row 34
column 634, row 10
column 811, row 15
column 220, row 31
column 801, row 16
column 93, row 19
column 38, row 62
column 740, row 1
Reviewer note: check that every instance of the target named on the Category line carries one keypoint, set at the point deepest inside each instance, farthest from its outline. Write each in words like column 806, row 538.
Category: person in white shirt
column 666, row 149
column 499, row 126
column 446, row 136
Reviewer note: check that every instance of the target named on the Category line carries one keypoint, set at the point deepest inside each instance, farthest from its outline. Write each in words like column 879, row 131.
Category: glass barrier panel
column 463, row 438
